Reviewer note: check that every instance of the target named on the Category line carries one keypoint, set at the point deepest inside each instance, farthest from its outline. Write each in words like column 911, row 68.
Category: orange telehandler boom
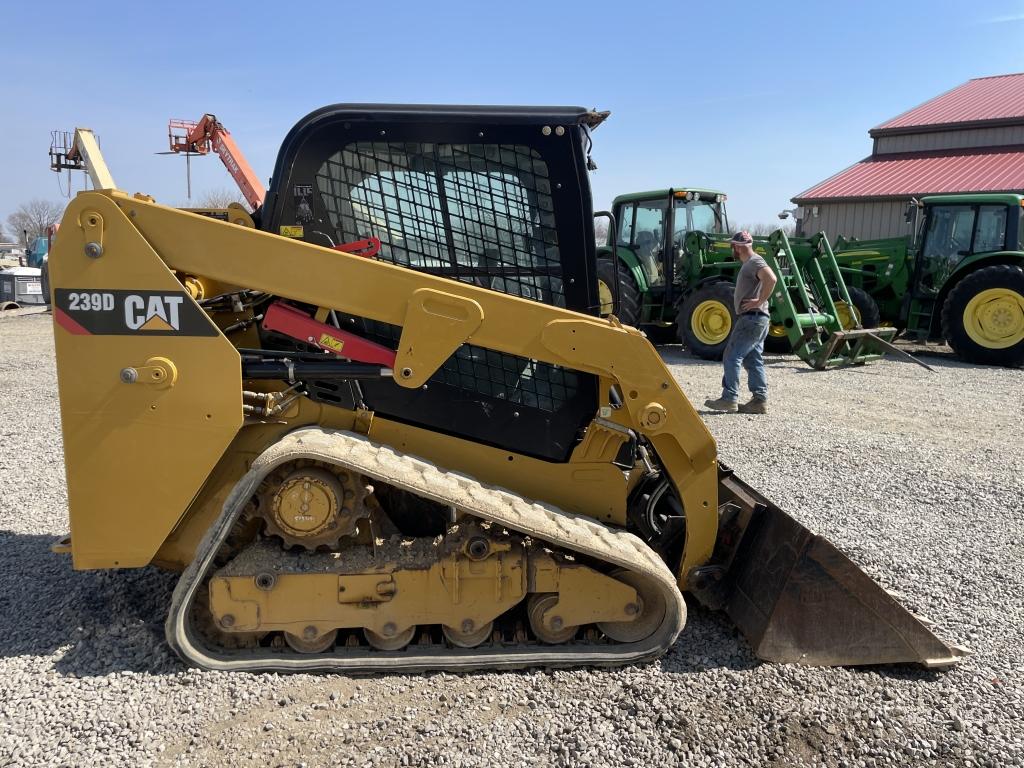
column 198, row 138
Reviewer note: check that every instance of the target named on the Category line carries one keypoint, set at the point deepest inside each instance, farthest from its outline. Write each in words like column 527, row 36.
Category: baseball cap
column 742, row 238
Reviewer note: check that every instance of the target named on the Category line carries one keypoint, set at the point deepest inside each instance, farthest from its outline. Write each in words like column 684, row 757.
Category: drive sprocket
column 311, row 505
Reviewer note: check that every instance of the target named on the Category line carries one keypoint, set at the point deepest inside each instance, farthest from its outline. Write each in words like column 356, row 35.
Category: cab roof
column 658, row 194
column 998, row 198
column 448, row 112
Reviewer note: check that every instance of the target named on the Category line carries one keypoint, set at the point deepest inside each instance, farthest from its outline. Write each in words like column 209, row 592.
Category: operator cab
column 37, row 254
column 654, row 225
column 497, row 197
column 956, row 228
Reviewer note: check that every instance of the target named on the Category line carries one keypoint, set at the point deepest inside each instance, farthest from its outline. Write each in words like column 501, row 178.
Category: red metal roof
column 986, row 169
column 984, row 98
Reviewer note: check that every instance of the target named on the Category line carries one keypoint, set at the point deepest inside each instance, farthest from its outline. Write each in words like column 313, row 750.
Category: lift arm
column 80, row 151
column 208, row 133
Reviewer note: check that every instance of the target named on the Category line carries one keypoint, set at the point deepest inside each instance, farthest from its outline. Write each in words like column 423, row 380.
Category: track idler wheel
column 394, row 641
column 650, row 610
column 555, row 633
column 310, row 642
column 467, row 636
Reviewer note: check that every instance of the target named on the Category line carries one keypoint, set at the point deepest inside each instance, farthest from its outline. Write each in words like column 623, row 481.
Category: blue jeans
column 746, row 343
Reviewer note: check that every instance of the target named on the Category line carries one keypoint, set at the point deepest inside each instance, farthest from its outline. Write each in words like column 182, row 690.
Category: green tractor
column 959, row 279
column 649, row 239
column 667, row 267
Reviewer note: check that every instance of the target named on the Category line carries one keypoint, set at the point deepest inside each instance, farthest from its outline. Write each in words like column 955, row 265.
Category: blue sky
column 759, row 99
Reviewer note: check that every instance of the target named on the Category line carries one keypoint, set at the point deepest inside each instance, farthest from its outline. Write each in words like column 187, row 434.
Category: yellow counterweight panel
column 136, row 452
column 364, row 287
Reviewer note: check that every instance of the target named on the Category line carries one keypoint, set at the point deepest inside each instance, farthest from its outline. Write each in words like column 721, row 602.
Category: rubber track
column 359, row 454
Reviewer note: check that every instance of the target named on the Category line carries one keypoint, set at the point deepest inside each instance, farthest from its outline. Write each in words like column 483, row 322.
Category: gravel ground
column 917, row 476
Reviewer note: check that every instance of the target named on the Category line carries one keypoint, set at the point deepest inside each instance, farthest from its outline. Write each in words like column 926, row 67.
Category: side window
column 960, row 232
column 626, row 225
column 479, row 213
column 949, row 231
column 650, row 221
column 948, row 238
column 991, row 234
column 649, row 239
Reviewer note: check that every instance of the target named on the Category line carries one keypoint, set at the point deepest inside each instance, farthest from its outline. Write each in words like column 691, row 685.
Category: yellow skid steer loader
column 381, row 426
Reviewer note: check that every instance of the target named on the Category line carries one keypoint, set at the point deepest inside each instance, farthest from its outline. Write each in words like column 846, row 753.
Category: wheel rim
column 777, row 331
column 846, row 314
column 994, row 318
column 604, row 295
column 711, row 322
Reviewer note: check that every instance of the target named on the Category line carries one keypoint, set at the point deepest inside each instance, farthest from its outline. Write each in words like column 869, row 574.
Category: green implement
column 811, row 303
column 667, row 267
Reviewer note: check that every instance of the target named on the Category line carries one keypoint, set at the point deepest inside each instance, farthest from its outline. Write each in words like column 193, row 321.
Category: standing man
column 754, row 285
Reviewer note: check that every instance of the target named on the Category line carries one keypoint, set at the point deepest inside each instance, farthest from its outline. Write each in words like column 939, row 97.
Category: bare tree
column 218, row 198
column 761, row 229
column 32, row 219
column 601, row 231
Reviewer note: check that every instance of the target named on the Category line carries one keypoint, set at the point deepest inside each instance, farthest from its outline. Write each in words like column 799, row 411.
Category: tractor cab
column 960, row 229
column 966, row 281
column 38, row 252
column 649, row 237
column 959, row 279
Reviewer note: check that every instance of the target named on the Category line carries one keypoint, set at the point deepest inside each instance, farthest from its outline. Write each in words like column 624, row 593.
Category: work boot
column 721, row 404
column 756, row 405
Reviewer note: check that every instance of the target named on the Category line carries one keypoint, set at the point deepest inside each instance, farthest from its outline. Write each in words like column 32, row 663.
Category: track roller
column 467, row 636
column 310, row 641
column 554, row 632
column 650, row 610
column 395, row 641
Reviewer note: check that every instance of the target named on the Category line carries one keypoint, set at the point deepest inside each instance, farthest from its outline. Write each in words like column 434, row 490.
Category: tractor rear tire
column 983, row 316
column 628, row 307
column 865, row 307
column 777, row 345
column 706, row 318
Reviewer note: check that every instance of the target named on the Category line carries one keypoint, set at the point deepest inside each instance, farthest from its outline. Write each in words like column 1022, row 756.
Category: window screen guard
column 478, row 213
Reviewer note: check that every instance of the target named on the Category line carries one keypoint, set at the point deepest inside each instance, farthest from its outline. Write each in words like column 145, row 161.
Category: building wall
column 974, row 137
column 863, row 220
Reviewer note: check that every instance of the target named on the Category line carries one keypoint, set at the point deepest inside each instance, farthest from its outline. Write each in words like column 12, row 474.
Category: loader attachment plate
column 798, row 599
column 855, row 346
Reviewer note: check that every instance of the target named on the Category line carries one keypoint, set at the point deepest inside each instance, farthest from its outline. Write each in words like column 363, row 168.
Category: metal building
column 969, row 139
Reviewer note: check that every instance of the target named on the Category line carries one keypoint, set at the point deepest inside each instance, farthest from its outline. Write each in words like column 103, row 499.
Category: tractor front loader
column 437, row 457
column 667, row 266
column 811, row 309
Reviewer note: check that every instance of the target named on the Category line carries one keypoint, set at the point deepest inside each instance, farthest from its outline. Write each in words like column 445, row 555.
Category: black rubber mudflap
column 798, row 599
